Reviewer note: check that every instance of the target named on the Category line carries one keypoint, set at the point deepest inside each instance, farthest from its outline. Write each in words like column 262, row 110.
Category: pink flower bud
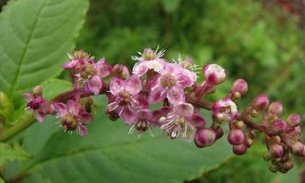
column 276, row 150
column 276, row 108
column 214, row 74
column 298, row 149
column 240, row 86
column 37, row 91
column 225, row 110
column 120, row 71
column 277, row 127
column 260, row 102
column 240, row 149
column 204, row 137
column 293, row 120
column 287, row 165
column 236, row 137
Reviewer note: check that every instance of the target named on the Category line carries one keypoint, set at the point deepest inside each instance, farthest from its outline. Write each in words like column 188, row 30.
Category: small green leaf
column 54, row 87
column 9, row 153
column 1, row 181
column 35, row 38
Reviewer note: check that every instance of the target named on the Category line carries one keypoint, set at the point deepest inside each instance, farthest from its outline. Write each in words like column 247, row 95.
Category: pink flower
column 149, row 59
column 143, row 121
column 126, row 93
column 73, row 117
column 37, row 104
column 170, row 84
column 225, row 110
column 182, row 120
column 91, row 75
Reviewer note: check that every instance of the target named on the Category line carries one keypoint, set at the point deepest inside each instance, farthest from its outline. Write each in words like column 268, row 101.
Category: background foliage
column 262, row 44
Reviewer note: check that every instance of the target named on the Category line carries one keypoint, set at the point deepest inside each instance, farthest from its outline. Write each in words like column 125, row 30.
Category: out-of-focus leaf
column 9, row 153
column 170, row 5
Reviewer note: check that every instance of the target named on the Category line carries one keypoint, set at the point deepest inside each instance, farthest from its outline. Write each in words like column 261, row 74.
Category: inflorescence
column 155, row 80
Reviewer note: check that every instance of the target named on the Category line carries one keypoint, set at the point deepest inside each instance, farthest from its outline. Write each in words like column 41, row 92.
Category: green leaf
column 170, row 6
column 54, row 87
column 108, row 154
column 36, row 36
column 9, row 153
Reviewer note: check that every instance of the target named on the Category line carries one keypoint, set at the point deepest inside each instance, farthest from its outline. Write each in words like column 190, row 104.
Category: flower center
column 87, row 70
column 141, row 126
column 123, row 98
column 167, row 80
column 149, row 54
column 69, row 122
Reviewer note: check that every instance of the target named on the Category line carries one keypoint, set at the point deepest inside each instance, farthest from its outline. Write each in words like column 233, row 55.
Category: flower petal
column 73, row 107
column 128, row 116
column 184, row 109
column 82, row 130
column 196, row 120
column 60, row 109
column 116, row 86
column 156, row 95
column 140, row 68
column 133, row 85
column 175, row 95
column 94, row 84
column 85, row 118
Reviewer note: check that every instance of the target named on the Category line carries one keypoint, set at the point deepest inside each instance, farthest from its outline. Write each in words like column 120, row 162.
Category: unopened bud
column 293, row 120
column 298, row 149
column 276, row 150
column 204, row 137
column 277, row 127
column 275, row 108
column 240, row 149
column 236, row 137
column 120, row 71
column 267, row 156
column 260, row 102
column 273, row 168
column 214, row 74
column 37, row 91
column 240, row 86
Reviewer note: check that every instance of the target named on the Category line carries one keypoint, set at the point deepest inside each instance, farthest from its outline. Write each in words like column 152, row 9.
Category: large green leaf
column 108, row 154
column 35, row 38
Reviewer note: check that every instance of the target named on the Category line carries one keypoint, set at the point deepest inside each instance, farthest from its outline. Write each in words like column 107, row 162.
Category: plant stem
column 19, row 125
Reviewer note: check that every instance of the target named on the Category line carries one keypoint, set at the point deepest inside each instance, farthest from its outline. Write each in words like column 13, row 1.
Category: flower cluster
column 154, row 80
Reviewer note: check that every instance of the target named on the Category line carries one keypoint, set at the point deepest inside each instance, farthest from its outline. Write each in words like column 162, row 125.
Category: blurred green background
column 261, row 41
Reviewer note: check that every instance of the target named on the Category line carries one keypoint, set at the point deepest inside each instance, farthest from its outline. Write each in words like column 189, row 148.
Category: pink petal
column 144, row 114
column 39, row 116
column 29, row 96
column 175, row 95
column 133, row 85
column 70, row 64
column 101, row 61
column 183, row 81
column 60, row 109
column 85, row 118
column 94, row 84
column 116, row 86
column 73, row 107
column 82, row 130
column 128, row 116
column 140, row 68
column 157, row 95
column 184, row 109
column 196, row 120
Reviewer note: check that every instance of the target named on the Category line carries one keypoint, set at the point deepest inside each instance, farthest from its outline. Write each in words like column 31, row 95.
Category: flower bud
column 260, row 102
column 267, row 156
column 276, row 150
column 273, row 168
column 298, row 149
column 293, row 120
column 214, row 74
column 240, row 86
column 287, row 165
column 240, row 149
column 120, row 71
column 277, row 127
column 236, row 137
column 204, row 137
column 37, row 91
column 225, row 110
column 219, row 133
column 275, row 108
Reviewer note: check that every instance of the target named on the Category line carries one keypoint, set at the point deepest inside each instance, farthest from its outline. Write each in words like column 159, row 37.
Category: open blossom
column 225, row 110
column 170, row 84
column 73, row 117
column 182, row 120
column 125, row 94
column 143, row 121
column 149, row 59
